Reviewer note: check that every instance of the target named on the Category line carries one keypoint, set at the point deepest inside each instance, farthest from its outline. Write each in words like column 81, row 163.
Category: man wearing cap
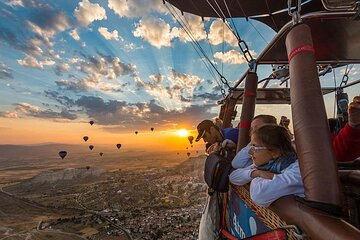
column 217, row 138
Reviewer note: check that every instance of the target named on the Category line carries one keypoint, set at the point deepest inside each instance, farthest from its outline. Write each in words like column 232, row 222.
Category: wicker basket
column 268, row 217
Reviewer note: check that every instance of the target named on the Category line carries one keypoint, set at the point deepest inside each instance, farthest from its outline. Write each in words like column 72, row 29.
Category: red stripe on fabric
column 228, row 235
column 300, row 49
column 249, row 94
column 245, row 124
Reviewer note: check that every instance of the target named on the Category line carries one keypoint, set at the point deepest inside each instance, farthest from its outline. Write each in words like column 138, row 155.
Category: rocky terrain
column 95, row 203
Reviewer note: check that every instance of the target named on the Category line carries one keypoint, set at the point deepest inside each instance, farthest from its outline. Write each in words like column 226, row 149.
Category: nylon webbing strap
column 300, row 49
column 249, row 94
column 244, row 124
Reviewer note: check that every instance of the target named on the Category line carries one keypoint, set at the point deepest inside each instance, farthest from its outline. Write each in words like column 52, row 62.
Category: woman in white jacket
column 275, row 170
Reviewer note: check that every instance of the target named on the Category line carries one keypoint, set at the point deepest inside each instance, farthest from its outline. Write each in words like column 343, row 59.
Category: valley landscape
column 122, row 195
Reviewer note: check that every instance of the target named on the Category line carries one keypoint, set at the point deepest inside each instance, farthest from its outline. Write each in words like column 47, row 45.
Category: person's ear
column 275, row 153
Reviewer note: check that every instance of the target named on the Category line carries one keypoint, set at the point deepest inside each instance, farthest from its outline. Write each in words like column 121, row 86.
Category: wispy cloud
column 26, row 109
column 5, row 72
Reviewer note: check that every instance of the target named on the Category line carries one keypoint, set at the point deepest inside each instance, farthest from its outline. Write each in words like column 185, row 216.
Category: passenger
column 242, row 158
column 347, row 143
column 218, row 138
column 333, row 127
column 283, row 119
column 218, row 122
column 275, row 170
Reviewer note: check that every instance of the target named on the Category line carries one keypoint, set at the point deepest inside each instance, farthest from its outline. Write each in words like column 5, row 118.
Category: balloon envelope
column 62, row 154
column 91, row 122
column 85, row 138
column 91, row 147
column 152, row 129
column 101, row 154
column 188, row 154
column 190, row 138
column 118, row 145
column 136, row 132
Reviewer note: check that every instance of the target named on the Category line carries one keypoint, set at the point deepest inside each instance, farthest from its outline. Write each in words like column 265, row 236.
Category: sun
column 182, row 132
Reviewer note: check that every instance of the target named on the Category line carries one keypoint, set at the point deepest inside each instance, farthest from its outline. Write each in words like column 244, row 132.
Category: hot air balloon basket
column 268, row 217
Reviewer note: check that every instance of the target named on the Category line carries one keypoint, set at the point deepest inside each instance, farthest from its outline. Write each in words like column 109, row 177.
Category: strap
column 249, row 93
column 300, row 49
column 225, row 233
column 245, row 124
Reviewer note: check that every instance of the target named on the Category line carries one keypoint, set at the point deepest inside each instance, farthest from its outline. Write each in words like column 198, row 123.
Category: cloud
column 46, row 23
column 88, row 12
column 232, row 57
column 29, row 110
column 31, row 62
column 61, row 68
column 79, row 86
column 8, row 114
column 157, row 78
column 219, row 33
column 109, row 35
column 5, row 72
column 195, row 27
column 74, row 34
column 114, row 112
column 154, row 30
column 25, row 3
column 63, row 100
column 136, row 8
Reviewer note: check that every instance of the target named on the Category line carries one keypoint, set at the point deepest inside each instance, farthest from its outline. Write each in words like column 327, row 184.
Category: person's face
column 210, row 136
column 256, row 123
column 286, row 122
column 261, row 154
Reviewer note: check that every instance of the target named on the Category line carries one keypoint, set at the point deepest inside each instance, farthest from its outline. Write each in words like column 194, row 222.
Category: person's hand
column 213, row 148
column 262, row 174
column 354, row 113
column 227, row 143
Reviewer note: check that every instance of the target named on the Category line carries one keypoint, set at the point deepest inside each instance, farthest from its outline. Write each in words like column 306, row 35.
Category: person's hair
column 275, row 137
column 266, row 118
column 218, row 122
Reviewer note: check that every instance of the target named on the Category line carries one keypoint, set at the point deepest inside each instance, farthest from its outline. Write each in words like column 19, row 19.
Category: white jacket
column 242, row 158
column 265, row 191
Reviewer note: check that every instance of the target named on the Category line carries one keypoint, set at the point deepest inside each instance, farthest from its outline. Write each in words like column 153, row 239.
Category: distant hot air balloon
column 177, row 153
column 85, row 138
column 118, row 145
column 188, row 154
column 187, row 147
column 136, row 132
column 190, row 138
column 91, row 147
column 87, row 167
column 197, row 151
column 101, row 153
column 91, row 122
column 152, row 129
column 122, row 181
column 191, row 145
column 62, row 154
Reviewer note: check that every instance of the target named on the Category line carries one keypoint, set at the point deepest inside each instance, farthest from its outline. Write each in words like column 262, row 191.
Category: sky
column 126, row 65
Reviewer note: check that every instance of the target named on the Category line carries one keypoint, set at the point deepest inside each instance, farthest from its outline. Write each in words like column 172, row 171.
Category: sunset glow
column 182, row 132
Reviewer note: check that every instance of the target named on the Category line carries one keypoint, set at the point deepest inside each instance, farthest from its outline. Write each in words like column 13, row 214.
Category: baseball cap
column 202, row 127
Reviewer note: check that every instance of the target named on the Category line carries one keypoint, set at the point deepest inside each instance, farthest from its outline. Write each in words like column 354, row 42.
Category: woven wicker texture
column 268, row 217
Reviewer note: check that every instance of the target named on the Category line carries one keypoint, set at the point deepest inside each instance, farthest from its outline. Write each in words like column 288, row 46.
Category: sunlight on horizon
column 182, row 132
